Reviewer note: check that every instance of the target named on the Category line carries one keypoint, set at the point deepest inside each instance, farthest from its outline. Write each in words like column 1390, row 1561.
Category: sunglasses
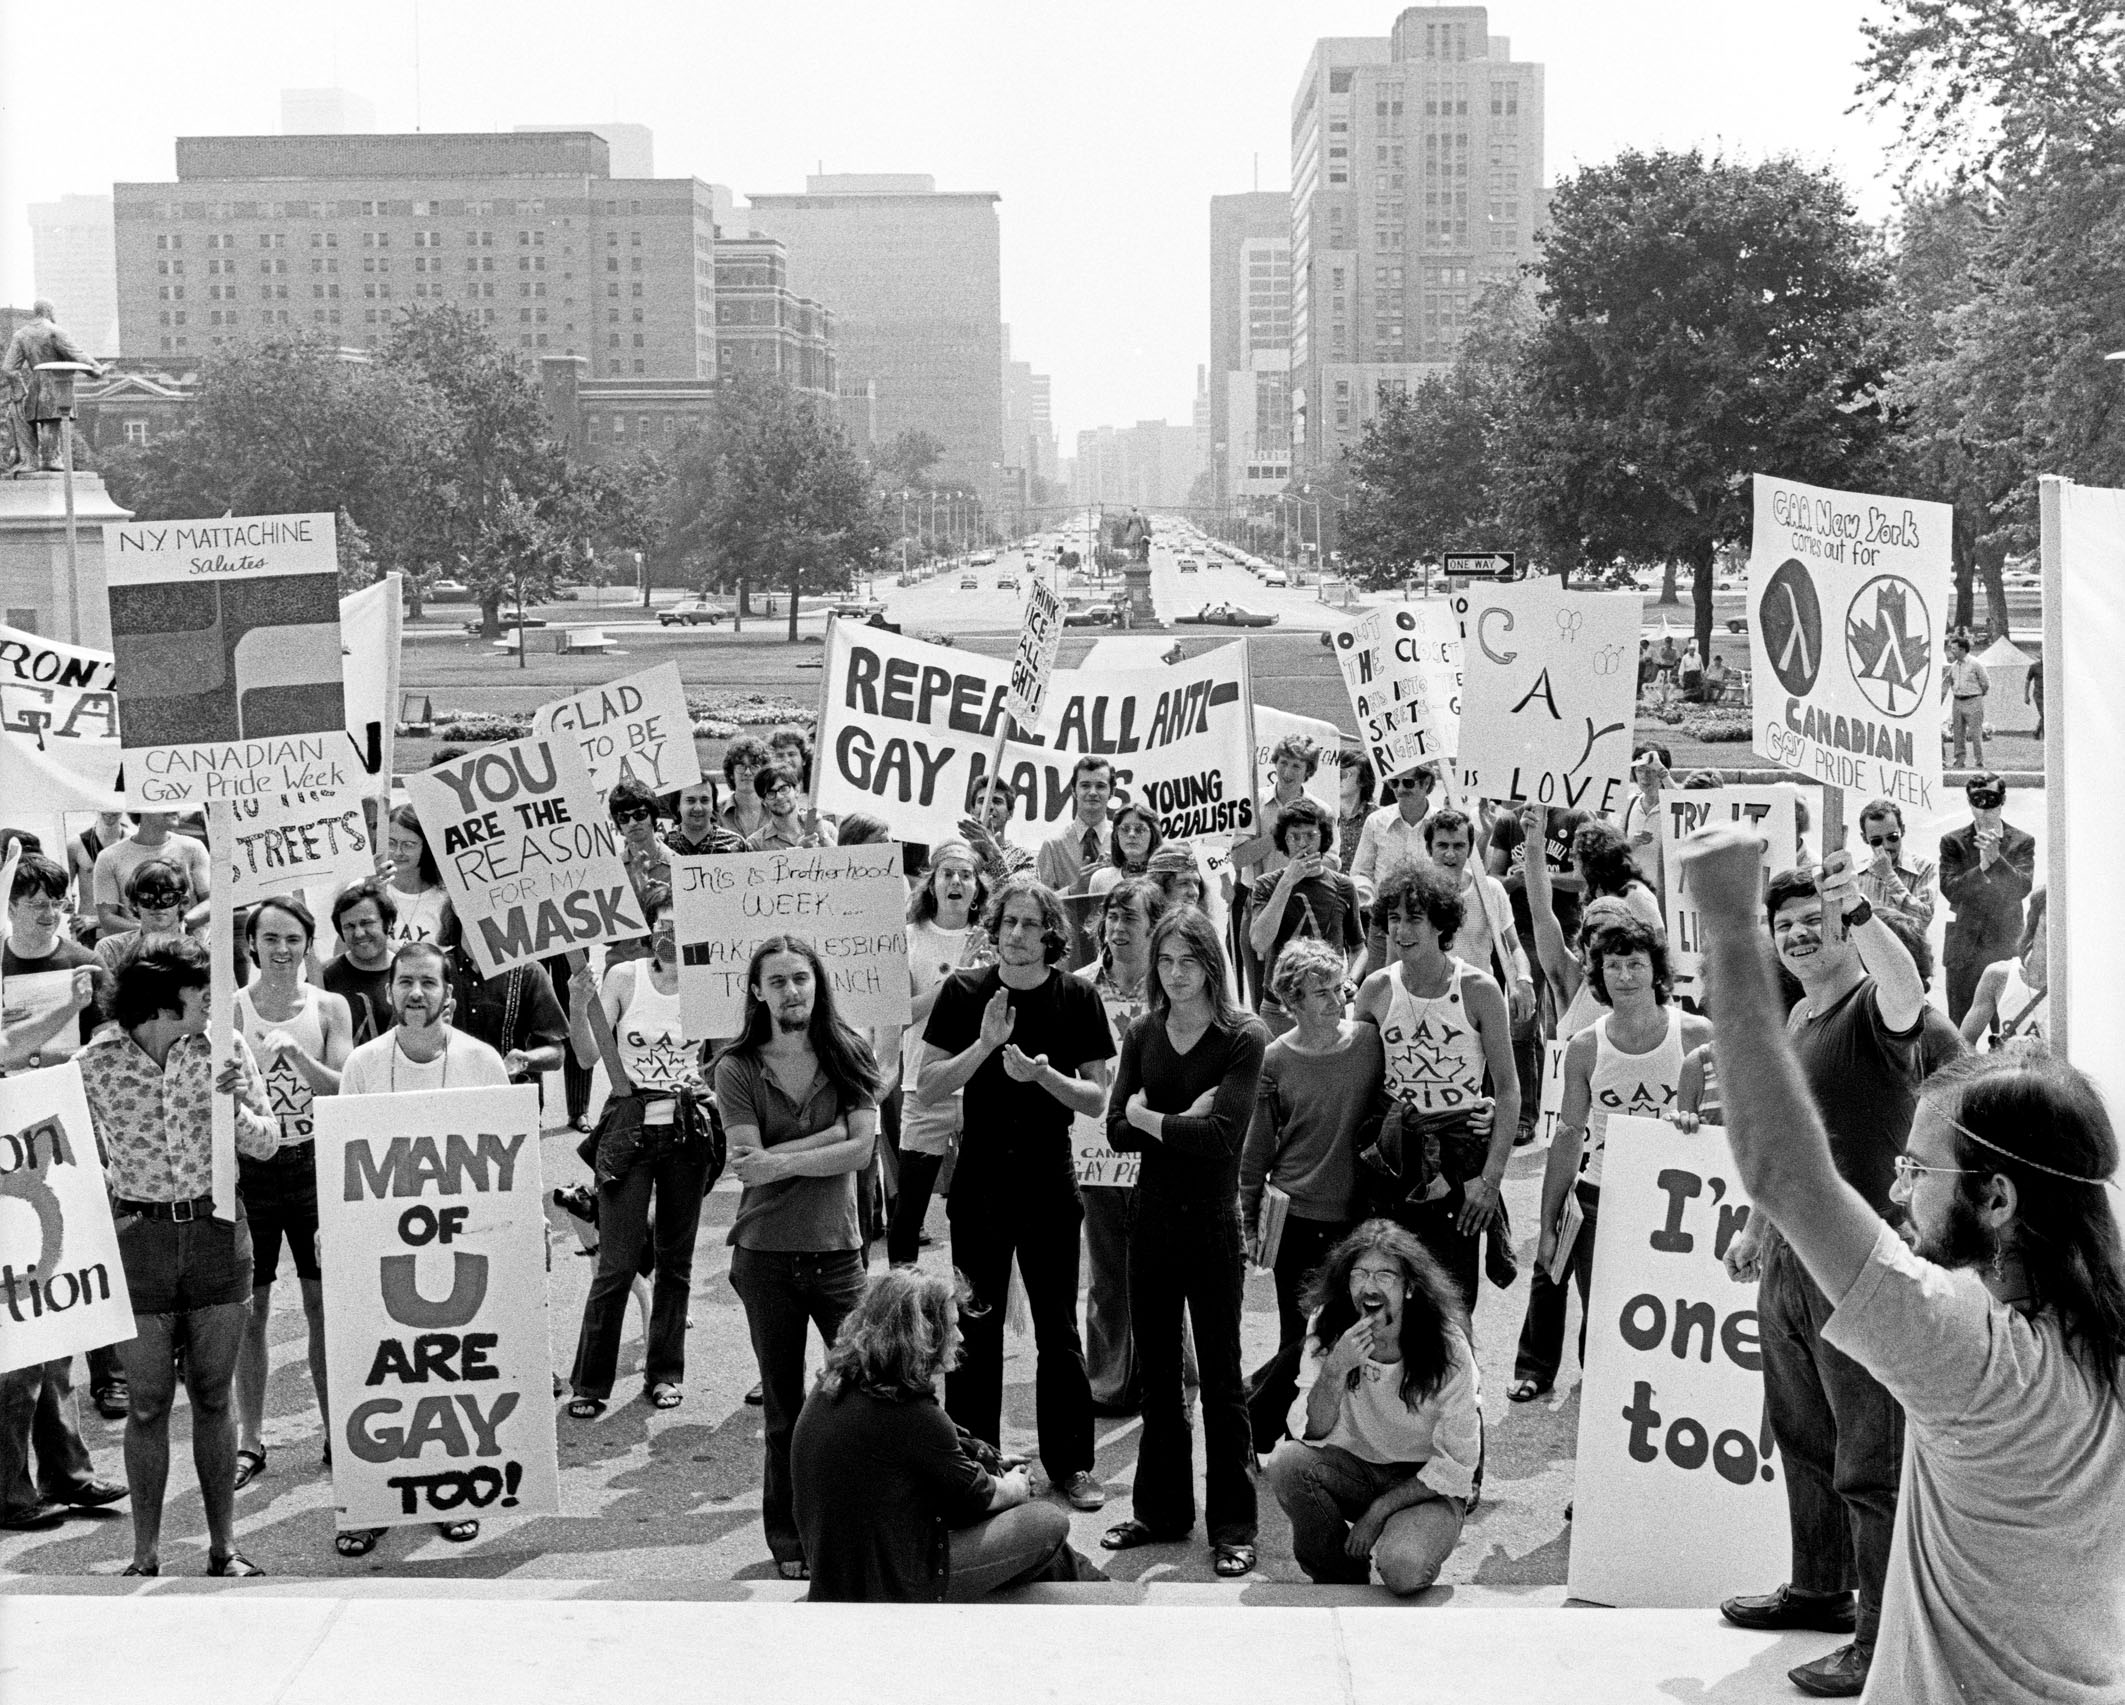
column 633, row 814
column 1885, row 840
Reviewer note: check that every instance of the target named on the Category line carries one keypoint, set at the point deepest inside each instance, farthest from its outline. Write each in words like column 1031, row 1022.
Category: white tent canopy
column 2006, row 666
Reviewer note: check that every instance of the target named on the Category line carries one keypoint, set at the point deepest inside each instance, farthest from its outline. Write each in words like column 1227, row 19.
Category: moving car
column 691, row 612
column 1007, row 583
column 970, row 583
column 1187, row 565
column 1275, row 577
column 1229, row 616
column 982, row 559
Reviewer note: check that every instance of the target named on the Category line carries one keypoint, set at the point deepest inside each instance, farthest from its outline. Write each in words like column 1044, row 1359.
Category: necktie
column 1091, row 846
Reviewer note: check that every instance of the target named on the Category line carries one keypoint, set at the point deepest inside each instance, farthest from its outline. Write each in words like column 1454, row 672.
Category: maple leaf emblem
column 1885, row 653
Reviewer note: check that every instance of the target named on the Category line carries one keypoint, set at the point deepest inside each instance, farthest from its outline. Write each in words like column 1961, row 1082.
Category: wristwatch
column 1860, row 914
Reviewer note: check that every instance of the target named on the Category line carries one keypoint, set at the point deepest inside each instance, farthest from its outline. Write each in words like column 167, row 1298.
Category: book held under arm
column 1569, row 1220
column 1269, row 1227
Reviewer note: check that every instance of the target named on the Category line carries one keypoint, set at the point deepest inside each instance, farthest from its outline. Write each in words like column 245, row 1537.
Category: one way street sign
column 1482, row 565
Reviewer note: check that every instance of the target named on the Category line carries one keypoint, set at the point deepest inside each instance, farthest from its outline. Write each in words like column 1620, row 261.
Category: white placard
column 1038, row 643
column 636, row 728
column 527, row 852
column 1550, row 693
column 432, row 1240
column 227, row 644
column 27, row 997
column 369, row 626
column 1848, row 612
column 1678, row 1501
column 1403, row 673
column 283, row 842
column 850, row 903
column 1098, row 1161
column 1770, row 809
column 62, row 1285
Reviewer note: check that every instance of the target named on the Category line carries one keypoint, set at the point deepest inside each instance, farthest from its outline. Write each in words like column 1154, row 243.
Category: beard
column 789, row 1022
column 1962, row 1240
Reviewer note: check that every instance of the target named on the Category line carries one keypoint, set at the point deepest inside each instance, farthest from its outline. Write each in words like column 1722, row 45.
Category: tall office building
column 1150, row 465
column 914, row 278
column 1250, row 343
column 75, row 269
column 331, row 235
column 1416, row 178
column 763, row 326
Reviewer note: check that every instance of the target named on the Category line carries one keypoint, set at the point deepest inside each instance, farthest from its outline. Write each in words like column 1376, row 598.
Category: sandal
column 1527, row 1390
column 357, row 1541
column 794, row 1569
column 1232, row 1561
column 235, row 1567
column 141, row 1569
column 250, row 1464
column 664, row 1396
column 1128, row 1535
column 458, row 1532
column 586, row 1408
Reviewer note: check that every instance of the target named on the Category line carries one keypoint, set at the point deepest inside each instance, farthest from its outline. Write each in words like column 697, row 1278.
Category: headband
column 2022, row 1160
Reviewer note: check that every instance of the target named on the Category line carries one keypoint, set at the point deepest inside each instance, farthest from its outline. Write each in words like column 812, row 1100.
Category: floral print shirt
column 155, row 1124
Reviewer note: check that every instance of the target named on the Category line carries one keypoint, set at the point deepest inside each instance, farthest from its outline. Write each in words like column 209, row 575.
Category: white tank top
column 653, row 1044
column 2027, row 1009
column 1434, row 1055
column 288, row 1093
column 1642, row 1084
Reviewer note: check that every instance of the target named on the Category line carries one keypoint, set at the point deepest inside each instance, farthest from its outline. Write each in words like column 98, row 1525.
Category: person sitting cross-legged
column 1387, row 1431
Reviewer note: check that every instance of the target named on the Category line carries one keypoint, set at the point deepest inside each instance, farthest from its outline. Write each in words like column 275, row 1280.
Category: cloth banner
column 637, row 727
column 1848, row 609
column 1677, row 1503
column 1550, row 693
column 284, row 842
column 369, row 624
column 1771, row 810
column 59, row 716
column 227, row 640
column 1325, row 786
column 1403, row 672
column 850, row 903
column 432, row 1240
column 527, row 852
column 62, row 1285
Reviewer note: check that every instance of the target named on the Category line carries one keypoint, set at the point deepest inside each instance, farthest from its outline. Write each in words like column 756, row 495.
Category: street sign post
column 1482, row 565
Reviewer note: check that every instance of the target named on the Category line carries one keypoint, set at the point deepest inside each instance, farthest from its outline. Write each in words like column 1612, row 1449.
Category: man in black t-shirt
column 1858, row 1031
column 360, row 973
column 1030, row 1046
column 45, row 1021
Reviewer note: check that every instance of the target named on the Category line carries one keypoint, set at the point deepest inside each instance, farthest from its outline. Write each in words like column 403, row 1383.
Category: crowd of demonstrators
column 360, row 973
column 1354, row 797
column 1996, row 1334
column 697, row 833
column 85, row 848
column 1987, row 869
column 1070, row 858
column 153, row 838
column 1309, row 896
column 1292, row 763
column 988, row 832
column 1897, row 883
column 160, row 903
column 421, row 906
column 2013, row 1000
column 786, row 820
column 743, row 759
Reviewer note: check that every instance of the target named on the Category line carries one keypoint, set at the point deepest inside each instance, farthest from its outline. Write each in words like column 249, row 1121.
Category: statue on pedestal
column 32, row 397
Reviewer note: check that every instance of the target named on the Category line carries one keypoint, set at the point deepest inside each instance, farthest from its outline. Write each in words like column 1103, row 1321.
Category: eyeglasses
column 1885, row 840
column 1907, row 1171
column 632, row 813
column 1404, row 783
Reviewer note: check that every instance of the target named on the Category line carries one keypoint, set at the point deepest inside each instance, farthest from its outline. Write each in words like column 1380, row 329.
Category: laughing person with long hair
column 1387, row 1431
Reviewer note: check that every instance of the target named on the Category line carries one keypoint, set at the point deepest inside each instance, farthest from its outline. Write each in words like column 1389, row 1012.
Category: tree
column 1702, row 320
column 1424, row 476
column 905, row 463
column 772, row 492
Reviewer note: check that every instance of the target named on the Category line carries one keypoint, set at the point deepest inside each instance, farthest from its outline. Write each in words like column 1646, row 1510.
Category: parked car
column 983, row 559
column 447, row 592
column 507, row 622
column 860, row 609
column 1230, row 616
column 970, row 583
column 1275, row 577
column 691, row 612
column 1089, row 616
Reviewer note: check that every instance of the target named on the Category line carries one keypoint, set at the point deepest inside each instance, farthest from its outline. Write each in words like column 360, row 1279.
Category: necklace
column 398, row 1048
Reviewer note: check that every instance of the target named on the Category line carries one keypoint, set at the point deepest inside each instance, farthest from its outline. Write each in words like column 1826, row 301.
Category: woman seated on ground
column 893, row 1501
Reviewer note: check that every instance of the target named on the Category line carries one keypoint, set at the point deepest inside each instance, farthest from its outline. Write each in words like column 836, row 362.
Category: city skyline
column 1104, row 142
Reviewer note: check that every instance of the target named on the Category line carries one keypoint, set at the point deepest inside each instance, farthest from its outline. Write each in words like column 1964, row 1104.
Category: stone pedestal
column 1136, row 581
column 33, row 580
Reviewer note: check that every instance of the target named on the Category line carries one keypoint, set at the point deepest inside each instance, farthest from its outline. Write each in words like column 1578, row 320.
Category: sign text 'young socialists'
column 1678, row 1502
column 62, row 1285
column 432, row 1240
column 530, row 859
column 849, row 903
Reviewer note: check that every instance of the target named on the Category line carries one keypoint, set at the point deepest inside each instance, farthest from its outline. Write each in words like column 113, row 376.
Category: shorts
column 173, row 1268
column 280, row 1196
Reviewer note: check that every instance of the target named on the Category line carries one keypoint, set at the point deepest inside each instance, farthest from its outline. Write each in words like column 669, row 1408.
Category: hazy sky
column 1106, row 125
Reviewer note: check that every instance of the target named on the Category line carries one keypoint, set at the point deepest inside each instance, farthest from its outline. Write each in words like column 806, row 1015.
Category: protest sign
column 850, row 903
column 369, row 624
column 1037, row 646
column 1677, row 1502
column 1550, row 693
column 62, row 1285
column 1770, row 809
column 1552, row 1102
column 1097, row 1161
column 226, row 635
column 59, row 749
column 432, row 1240
column 27, row 1000
column 637, row 727
column 1325, row 785
column 1402, row 670
column 527, row 852
column 282, row 842
column 30, row 660
column 1848, row 603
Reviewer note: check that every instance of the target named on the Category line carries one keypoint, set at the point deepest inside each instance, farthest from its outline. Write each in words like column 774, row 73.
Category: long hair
column 2033, row 1111
column 1115, row 856
column 1054, row 921
column 844, row 1055
column 922, row 902
column 1603, row 858
column 1198, row 935
column 405, row 817
column 902, row 1333
column 1422, row 888
column 1432, row 1310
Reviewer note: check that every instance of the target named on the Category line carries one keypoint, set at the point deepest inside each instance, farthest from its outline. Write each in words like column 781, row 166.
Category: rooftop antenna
column 416, row 65
column 1258, row 170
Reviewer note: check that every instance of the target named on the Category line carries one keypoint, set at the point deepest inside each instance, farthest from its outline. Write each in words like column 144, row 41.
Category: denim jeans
column 1028, row 1542
column 1185, row 1257
column 1842, row 1436
column 1274, row 1386
column 1541, row 1351
column 674, row 1175
column 1324, row 1489
column 1041, row 1228
column 38, row 1411
column 911, row 1205
column 785, row 1292
column 1110, row 1348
